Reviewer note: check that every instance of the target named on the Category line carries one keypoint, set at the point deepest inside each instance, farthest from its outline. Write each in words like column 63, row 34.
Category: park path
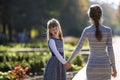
column 116, row 46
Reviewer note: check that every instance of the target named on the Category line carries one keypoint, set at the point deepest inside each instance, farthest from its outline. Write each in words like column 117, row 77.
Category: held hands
column 67, row 65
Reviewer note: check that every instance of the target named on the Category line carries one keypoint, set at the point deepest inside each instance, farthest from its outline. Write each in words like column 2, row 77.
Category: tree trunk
column 10, row 31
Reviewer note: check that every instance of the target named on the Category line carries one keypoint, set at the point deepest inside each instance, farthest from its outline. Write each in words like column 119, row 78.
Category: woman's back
column 93, row 42
column 98, row 62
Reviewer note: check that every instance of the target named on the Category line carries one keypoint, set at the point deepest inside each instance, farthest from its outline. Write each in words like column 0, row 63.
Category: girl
column 55, row 69
column 101, row 62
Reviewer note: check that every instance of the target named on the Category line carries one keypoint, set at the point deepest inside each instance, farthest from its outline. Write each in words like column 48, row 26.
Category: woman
column 101, row 62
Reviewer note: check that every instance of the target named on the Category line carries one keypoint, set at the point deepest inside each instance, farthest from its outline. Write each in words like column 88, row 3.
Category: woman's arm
column 110, row 50
column 79, row 45
column 55, row 51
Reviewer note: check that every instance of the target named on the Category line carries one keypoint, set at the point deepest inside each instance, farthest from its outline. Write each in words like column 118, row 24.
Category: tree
column 73, row 17
column 25, row 15
column 118, row 14
column 5, row 17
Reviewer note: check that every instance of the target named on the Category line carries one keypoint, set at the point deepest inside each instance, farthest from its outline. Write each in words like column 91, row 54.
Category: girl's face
column 55, row 31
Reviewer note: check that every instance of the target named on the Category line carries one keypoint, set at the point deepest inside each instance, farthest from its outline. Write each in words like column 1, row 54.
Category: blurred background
column 23, row 29
column 28, row 18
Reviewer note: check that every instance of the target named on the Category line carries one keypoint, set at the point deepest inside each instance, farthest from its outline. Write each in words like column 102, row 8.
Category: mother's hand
column 114, row 73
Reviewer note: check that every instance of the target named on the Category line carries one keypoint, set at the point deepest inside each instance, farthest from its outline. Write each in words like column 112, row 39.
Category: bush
column 35, row 60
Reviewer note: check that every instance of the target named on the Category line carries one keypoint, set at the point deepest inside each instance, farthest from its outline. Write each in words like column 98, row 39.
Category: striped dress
column 55, row 70
column 101, row 58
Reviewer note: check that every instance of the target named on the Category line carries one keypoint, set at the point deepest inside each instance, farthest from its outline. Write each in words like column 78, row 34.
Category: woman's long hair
column 95, row 14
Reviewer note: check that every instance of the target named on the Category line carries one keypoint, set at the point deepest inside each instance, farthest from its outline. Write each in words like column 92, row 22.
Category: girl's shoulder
column 51, row 39
column 54, row 39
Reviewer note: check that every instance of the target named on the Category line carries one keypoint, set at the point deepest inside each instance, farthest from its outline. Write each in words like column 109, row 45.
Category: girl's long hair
column 53, row 23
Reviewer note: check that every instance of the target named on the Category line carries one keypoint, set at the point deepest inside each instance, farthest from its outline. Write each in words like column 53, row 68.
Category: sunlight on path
column 81, row 75
column 116, row 46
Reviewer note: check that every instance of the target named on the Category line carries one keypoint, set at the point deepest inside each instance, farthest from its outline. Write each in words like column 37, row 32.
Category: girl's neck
column 57, row 37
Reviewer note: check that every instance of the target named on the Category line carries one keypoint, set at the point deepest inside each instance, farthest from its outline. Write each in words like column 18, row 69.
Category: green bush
column 35, row 60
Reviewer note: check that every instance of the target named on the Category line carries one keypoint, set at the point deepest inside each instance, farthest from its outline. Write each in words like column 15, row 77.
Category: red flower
column 19, row 72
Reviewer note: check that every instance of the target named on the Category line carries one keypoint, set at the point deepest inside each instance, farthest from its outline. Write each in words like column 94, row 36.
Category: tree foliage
column 25, row 15
column 73, row 17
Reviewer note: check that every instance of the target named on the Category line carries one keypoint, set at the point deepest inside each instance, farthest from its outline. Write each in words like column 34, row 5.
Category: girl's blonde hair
column 51, row 24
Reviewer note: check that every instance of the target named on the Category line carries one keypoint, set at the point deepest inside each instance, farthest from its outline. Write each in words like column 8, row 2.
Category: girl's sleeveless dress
column 55, row 69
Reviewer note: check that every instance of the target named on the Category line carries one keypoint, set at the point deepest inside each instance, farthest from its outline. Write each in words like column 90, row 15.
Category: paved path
column 116, row 46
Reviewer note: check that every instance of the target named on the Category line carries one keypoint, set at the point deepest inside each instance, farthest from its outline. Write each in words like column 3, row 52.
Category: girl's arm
column 110, row 50
column 55, row 51
column 79, row 45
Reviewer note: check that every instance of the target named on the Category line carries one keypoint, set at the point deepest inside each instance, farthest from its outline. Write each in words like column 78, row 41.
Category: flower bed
column 18, row 72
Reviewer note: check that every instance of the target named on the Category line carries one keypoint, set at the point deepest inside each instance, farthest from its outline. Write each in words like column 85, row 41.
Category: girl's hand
column 114, row 73
column 67, row 65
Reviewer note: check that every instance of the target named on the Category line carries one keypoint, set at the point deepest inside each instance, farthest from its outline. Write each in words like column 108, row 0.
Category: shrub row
column 35, row 60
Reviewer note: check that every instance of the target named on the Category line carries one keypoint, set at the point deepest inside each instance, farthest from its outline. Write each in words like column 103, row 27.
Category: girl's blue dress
column 55, row 69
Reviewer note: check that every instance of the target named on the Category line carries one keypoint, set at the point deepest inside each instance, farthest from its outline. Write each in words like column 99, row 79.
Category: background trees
column 30, row 17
